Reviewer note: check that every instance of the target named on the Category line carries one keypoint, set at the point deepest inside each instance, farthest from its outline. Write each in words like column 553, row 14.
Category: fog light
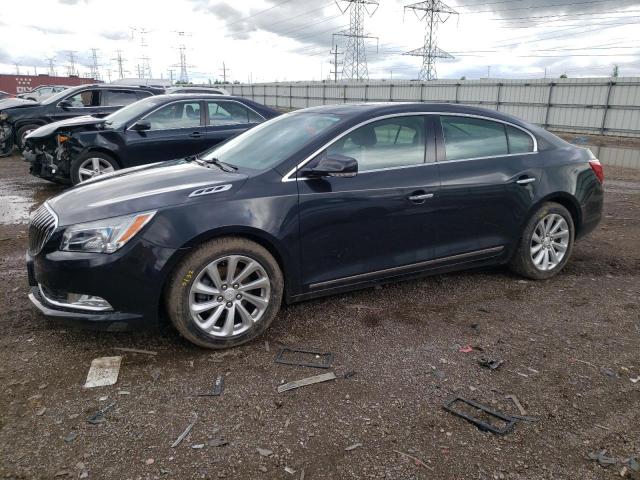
column 78, row 301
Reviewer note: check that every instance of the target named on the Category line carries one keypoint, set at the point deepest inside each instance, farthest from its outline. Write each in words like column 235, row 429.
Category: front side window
column 393, row 142
column 85, row 98
column 118, row 98
column 175, row 115
column 226, row 113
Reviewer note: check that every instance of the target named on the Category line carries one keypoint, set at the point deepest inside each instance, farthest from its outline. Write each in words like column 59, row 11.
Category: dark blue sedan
column 312, row 203
column 157, row 128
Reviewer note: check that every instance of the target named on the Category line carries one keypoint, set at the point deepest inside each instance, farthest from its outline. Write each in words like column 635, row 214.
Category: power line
column 120, row 62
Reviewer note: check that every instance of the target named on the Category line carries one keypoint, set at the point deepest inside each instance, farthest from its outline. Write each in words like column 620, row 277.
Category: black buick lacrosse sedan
column 307, row 204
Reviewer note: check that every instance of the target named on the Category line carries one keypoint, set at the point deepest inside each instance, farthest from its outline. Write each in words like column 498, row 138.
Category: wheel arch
column 570, row 203
column 103, row 150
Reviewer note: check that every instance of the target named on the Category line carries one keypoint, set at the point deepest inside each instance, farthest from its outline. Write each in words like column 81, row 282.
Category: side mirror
column 64, row 104
column 333, row 165
column 141, row 126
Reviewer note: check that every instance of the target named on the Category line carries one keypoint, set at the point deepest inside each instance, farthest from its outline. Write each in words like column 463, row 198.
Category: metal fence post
column 307, row 94
column 253, row 93
column 391, row 92
column 422, row 91
column 324, row 93
column 290, row 98
column 546, row 116
column 606, row 107
column 457, row 92
column 366, row 92
column 498, row 97
column 344, row 94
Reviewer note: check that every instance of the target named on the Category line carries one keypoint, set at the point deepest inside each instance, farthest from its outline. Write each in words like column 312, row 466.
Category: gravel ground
column 570, row 348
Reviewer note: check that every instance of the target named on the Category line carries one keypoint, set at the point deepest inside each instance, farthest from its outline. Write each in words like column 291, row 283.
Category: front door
column 489, row 173
column 84, row 102
column 378, row 220
column 177, row 131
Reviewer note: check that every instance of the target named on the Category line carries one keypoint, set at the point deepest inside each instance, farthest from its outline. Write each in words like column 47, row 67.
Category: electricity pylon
column 354, row 66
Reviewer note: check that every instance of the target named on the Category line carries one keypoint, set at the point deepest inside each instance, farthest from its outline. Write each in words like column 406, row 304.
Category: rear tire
column 97, row 162
column 216, row 309
column 546, row 243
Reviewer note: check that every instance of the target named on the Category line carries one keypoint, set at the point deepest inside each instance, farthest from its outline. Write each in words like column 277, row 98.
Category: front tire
column 224, row 293
column 23, row 132
column 546, row 243
column 90, row 165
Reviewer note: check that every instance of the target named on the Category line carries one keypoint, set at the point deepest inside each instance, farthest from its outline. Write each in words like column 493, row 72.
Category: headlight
column 104, row 236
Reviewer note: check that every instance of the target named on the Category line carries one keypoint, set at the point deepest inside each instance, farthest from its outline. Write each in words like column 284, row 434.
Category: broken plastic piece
column 104, row 371
column 489, row 363
column 325, row 358
column 508, row 420
column 186, row 431
column 218, row 386
column 307, row 381
column 98, row 417
column 466, row 349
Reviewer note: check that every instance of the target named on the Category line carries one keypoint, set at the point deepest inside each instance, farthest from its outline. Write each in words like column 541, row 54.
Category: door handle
column 421, row 197
column 195, row 135
column 526, row 180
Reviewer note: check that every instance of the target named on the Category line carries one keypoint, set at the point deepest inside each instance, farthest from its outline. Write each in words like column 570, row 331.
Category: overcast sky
column 269, row 40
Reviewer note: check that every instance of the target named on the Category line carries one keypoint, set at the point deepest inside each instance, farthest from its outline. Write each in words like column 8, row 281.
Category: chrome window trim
column 71, row 305
column 288, row 176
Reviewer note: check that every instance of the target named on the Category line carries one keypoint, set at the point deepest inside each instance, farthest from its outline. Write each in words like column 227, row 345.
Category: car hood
column 16, row 103
column 74, row 122
column 139, row 189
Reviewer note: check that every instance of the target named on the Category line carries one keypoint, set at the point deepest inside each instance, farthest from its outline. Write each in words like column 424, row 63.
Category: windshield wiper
column 224, row 166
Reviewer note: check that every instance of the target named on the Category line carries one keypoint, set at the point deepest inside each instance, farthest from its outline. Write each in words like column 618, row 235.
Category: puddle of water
column 615, row 156
column 16, row 202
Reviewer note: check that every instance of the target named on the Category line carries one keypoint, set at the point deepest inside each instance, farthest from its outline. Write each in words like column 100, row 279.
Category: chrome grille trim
column 42, row 224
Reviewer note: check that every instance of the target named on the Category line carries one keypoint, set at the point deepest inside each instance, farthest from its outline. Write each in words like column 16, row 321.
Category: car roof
column 115, row 86
column 216, row 96
column 370, row 109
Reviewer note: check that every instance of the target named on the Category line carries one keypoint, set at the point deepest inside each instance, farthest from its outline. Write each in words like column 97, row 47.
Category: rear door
column 356, row 229
column 489, row 173
column 114, row 99
column 227, row 118
column 177, row 131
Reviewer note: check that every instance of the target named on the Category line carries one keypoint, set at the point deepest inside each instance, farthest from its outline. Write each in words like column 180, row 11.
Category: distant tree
column 564, row 75
column 616, row 71
column 463, row 77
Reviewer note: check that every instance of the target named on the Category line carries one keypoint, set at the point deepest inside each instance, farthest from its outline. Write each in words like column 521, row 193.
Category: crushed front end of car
column 6, row 136
column 50, row 157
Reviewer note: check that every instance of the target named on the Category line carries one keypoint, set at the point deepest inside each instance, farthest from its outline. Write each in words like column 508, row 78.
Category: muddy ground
column 570, row 345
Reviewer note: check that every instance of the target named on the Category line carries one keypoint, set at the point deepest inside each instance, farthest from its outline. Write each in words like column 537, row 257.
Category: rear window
column 118, row 98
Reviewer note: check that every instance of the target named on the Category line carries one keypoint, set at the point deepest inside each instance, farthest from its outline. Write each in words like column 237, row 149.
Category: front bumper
column 44, row 164
column 131, row 281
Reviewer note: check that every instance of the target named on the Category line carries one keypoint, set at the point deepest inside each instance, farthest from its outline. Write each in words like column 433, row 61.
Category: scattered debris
column 217, row 442
column 63, row 473
column 466, row 349
column 218, row 386
column 135, row 350
column 349, row 374
column 124, row 392
column 289, row 470
column 415, row 459
column 525, row 418
column 262, row 468
column 70, row 437
column 307, row 381
column 149, row 461
column 517, row 403
column 266, row 345
column 155, row 374
column 40, row 411
column 635, row 380
column 323, row 359
column 489, row 363
column 508, row 421
column 197, row 446
column 186, row 431
column 601, row 426
column 609, row 372
column 104, row 371
column 42, row 386
column 583, row 361
column 602, row 459
column 353, row 447
column 98, row 417
column 632, row 463
column 264, row 452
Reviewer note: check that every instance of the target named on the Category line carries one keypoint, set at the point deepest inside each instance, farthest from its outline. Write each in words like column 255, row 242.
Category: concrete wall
column 609, row 106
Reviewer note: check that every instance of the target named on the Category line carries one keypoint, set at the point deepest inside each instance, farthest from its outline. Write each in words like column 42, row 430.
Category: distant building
column 15, row 84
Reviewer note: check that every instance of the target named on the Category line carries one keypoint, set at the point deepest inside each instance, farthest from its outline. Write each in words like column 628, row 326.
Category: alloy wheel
column 229, row 296
column 92, row 167
column 549, row 242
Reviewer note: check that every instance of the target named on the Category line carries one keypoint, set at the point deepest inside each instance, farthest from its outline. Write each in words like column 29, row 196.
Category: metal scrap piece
column 517, row 403
column 510, row 421
column 306, row 381
column 326, row 358
column 218, row 386
column 186, row 431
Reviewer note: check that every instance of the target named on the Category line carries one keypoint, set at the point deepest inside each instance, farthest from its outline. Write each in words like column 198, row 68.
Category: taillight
column 596, row 166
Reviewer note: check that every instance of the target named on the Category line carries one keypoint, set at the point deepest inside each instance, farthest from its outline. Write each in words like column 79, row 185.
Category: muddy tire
column 22, row 132
column 225, row 293
column 546, row 243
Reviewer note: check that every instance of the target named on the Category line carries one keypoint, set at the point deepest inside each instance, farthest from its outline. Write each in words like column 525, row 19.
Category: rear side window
column 389, row 143
column 142, row 94
column 466, row 137
column 519, row 141
column 118, row 98
column 230, row 113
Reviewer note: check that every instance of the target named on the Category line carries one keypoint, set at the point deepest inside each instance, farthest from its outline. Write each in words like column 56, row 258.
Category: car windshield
column 120, row 117
column 273, row 141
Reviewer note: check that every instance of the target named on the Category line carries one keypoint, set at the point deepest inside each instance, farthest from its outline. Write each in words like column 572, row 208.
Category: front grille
column 42, row 225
